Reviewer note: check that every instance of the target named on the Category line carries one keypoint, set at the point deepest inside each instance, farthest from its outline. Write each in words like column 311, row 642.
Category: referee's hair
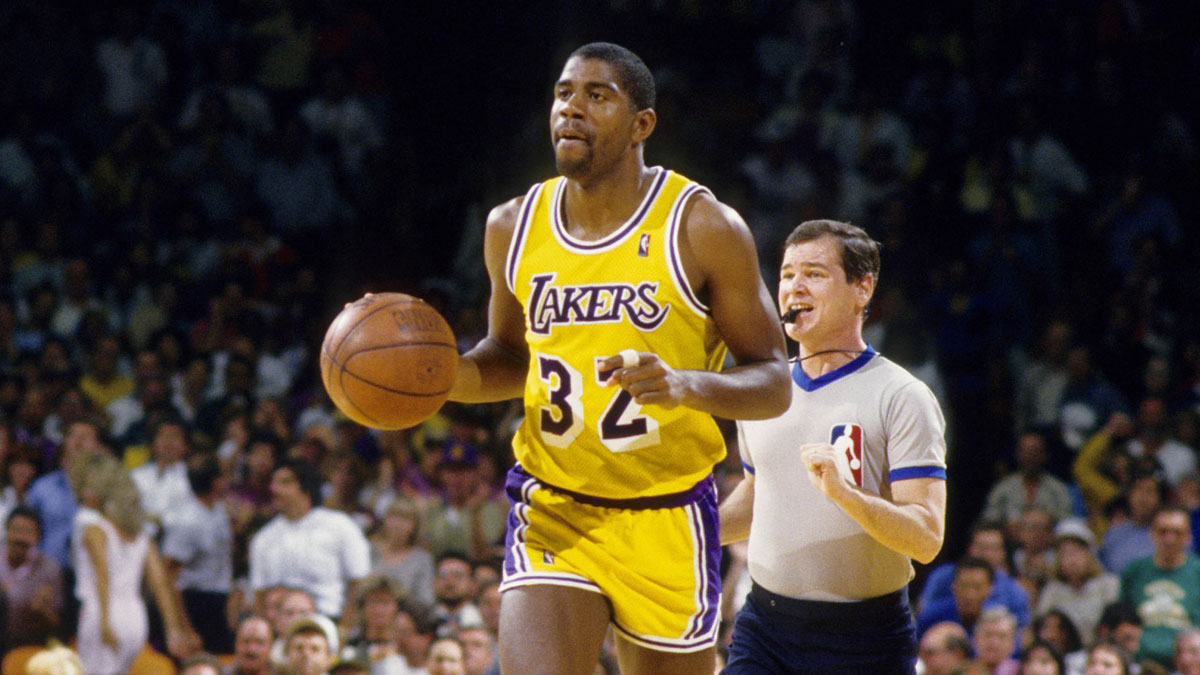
column 860, row 253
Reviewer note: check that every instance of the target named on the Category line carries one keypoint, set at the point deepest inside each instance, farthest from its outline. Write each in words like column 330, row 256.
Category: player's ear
column 643, row 124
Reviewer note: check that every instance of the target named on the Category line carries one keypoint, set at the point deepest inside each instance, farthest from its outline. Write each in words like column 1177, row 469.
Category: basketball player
column 830, row 557
column 617, row 289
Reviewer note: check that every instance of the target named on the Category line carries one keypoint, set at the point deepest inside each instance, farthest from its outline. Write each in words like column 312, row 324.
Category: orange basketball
column 388, row 360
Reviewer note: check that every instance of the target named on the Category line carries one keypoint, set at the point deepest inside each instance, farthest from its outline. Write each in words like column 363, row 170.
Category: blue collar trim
column 807, row 383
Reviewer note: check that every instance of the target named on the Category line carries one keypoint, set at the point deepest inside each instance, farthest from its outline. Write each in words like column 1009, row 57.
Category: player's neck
column 594, row 208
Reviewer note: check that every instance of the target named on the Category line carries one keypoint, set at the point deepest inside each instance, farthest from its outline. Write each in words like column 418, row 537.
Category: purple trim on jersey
column 517, row 486
column 705, row 517
column 673, row 250
column 518, row 240
column 916, row 472
column 807, row 383
column 631, row 225
column 747, row 467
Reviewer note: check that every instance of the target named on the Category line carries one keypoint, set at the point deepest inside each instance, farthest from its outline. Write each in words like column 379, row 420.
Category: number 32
column 621, row 427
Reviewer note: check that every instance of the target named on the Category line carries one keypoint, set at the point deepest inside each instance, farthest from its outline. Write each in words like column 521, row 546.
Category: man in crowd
column 251, row 647
column 1164, row 587
column 31, row 581
column 943, row 647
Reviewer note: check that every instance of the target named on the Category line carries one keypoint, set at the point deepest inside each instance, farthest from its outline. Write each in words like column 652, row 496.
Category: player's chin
column 572, row 165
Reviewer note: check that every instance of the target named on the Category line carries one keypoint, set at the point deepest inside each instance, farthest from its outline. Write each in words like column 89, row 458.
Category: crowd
column 189, row 191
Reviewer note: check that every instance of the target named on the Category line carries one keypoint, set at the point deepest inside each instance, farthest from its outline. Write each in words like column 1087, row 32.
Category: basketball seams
column 372, row 312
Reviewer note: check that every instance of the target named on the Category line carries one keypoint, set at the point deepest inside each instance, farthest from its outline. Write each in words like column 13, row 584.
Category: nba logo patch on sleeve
column 847, row 441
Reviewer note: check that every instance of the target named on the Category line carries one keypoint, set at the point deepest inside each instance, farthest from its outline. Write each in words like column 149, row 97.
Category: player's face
column 592, row 120
column 812, row 280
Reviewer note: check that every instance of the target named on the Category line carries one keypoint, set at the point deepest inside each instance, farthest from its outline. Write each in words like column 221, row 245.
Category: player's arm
column 719, row 257
column 495, row 369
column 912, row 522
column 737, row 511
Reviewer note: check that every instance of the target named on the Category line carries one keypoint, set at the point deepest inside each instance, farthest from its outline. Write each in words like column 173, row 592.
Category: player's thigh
column 551, row 629
column 638, row 660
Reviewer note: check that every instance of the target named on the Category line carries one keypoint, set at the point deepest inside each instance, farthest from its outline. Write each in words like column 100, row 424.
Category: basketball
column 388, row 360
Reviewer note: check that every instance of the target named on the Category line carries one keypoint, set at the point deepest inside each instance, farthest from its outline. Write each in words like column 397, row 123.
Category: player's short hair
column 860, row 253
column 635, row 78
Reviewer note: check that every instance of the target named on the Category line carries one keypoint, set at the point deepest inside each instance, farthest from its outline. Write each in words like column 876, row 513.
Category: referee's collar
column 807, row 383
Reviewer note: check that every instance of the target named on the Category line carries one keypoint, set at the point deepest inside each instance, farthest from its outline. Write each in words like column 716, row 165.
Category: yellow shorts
column 657, row 560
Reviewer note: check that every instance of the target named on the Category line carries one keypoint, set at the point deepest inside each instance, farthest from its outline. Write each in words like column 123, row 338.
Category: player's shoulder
column 706, row 212
column 504, row 215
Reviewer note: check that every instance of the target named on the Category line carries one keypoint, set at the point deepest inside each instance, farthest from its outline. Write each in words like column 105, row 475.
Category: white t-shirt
column 802, row 545
column 163, row 493
column 202, row 539
column 318, row 553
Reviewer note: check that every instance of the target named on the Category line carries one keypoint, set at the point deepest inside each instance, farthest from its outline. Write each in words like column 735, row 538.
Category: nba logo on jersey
column 847, row 441
column 547, row 557
column 644, row 246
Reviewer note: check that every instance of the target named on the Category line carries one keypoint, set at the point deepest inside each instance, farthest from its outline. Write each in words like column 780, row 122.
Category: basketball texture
column 388, row 360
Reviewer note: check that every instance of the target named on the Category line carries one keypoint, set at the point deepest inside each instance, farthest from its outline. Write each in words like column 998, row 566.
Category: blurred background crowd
column 190, row 190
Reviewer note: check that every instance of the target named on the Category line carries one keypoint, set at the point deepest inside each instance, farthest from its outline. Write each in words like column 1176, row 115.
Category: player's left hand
column 823, row 470
column 650, row 380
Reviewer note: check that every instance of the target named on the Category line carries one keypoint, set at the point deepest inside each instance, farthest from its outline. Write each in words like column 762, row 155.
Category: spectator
column 1120, row 624
column 32, row 582
column 163, row 482
column 1041, row 658
column 1131, row 539
column 197, row 549
column 1079, row 587
column 1029, row 485
column 1044, row 380
column 944, row 647
column 249, row 108
column 308, row 546
column 987, row 542
column 285, row 606
column 995, row 640
column 973, row 580
column 296, row 184
column 1102, row 469
column 18, row 469
column 1187, row 652
column 309, row 649
column 1033, row 558
column 52, row 497
column 1164, row 587
column 454, row 590
column 1154, row 441
column 251, row 647
column 487, row 599
column 134, row 66
column 338, row 115
column 480, row 654
column 468, row 517
column 416, row 628
column 1108, row 658
column 1056, row 629
column 102, row 381
column 446, row 656
column 395, row 553
column 1089, row 397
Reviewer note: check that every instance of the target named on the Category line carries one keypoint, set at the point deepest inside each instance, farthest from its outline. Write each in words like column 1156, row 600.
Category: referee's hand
column 823, row 470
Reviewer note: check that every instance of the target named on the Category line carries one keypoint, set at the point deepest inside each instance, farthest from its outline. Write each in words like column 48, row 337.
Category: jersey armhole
column 517, row 244
column 674, row 259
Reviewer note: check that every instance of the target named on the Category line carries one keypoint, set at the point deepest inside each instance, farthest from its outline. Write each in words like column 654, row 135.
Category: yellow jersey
column 585, row 301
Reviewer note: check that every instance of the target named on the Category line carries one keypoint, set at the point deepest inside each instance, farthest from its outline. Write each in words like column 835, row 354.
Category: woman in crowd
column 1078, row 585
column 1041, row 658
column 396, row 555
column 112, row 551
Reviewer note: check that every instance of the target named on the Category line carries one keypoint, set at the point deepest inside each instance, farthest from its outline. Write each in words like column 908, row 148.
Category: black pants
column 206, row 611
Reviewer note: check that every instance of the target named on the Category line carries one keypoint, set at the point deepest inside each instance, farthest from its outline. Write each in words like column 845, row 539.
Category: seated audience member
column 1102, row 468
column 291, row 605
column 374, row 638
column 416, row 629
column 487, row 599
column 32, row 582
column 987, row 542
column 1187, row 652
column 1056, row 629
column 995, row 640
column 1041, row 658
column 396, row 554
column 198, row 551
column 445, row 657
column 1119, row 623
column 1033, row 556
column 1078, row 586
column 163, row 481
column 308, row 546
column 1164, row 587
column 251, row 647
column 1029, row 485
column 200, row 664
column 309, row 647
column 1153, row 440
column 1130, row 539
column 51, row 494
column 469, row 516
column 973, row 579
column 943, row 647
column 1108, row 658
column 455, row 591
column 480, row 654
column 352, row 666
